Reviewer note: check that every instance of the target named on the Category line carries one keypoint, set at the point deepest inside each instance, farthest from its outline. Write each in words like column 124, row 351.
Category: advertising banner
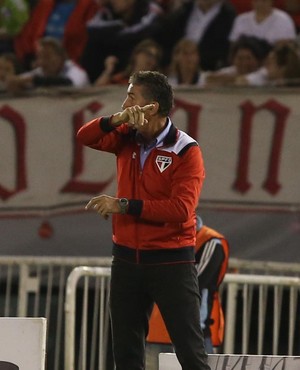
column 250, row 144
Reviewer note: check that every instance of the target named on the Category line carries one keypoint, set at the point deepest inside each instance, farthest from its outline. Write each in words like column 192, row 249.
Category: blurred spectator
column 146, row 56
column 9, row 66
column 248, row 54
column 64, row 19
column 265, row 22
column 116, row 29
column 185, row 64
column 52, row 69
column 13, row 15
column 282, row 68
column 292, row 7
column 206, row 22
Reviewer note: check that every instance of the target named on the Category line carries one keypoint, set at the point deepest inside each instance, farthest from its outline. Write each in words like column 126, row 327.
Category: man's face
column 205, row 5
column 135, row 97
column 262, row 5
column 50, row 62
column 188, row 57
column 146, row 60
column 122, row 6
column 245, row 61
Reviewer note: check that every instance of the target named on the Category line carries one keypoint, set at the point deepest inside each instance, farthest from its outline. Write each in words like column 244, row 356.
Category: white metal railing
column 32, row 286
column 234, row 284
column 264, row 267
column 99, row 331
column 246, row 283
column 35, row 287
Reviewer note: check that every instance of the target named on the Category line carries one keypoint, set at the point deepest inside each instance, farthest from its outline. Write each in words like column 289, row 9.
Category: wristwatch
column 123, row 203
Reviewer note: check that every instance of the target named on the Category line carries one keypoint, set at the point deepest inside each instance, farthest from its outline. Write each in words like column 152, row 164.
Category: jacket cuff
column 105, row 124
column 135, row 207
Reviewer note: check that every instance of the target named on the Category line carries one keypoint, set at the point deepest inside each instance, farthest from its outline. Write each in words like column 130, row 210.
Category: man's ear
column 155, row 109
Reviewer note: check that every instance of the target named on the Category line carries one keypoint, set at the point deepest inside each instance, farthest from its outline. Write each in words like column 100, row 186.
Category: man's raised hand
column 134, row 116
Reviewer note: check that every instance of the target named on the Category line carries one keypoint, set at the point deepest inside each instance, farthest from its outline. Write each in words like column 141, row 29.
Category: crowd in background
column 205, row 43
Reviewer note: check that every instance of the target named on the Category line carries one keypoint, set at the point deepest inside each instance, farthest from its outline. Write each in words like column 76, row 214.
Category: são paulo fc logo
column 163, row 162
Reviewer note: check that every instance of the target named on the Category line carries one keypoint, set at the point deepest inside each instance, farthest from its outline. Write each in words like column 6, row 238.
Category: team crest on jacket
column 163, row 162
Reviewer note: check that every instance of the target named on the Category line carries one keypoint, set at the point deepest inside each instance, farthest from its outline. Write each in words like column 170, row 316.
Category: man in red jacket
column 160, row 174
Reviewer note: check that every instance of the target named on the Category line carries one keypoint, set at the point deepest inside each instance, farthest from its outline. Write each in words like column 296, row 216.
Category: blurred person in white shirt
column 52, row 68
column 265, row 22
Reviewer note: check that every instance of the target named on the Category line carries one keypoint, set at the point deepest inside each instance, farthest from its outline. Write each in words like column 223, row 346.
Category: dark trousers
column 174, row 288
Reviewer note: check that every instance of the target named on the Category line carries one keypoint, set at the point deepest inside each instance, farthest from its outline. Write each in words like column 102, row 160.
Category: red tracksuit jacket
column 160, row 224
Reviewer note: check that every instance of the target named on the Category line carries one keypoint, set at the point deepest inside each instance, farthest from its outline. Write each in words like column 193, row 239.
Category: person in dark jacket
column 206, row 22
column 115, row 30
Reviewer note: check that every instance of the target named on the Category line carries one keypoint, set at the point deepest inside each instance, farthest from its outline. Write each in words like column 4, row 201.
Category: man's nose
column 125, row 105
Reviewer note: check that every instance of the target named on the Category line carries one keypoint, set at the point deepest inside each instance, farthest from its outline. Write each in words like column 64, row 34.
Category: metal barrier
column 36, row 287
column 245, row 284
column 100, row 319
column 233, row 285
column 264, row 267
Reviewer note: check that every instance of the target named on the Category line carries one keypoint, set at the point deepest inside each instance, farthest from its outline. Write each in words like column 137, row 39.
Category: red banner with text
column 249, row 139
